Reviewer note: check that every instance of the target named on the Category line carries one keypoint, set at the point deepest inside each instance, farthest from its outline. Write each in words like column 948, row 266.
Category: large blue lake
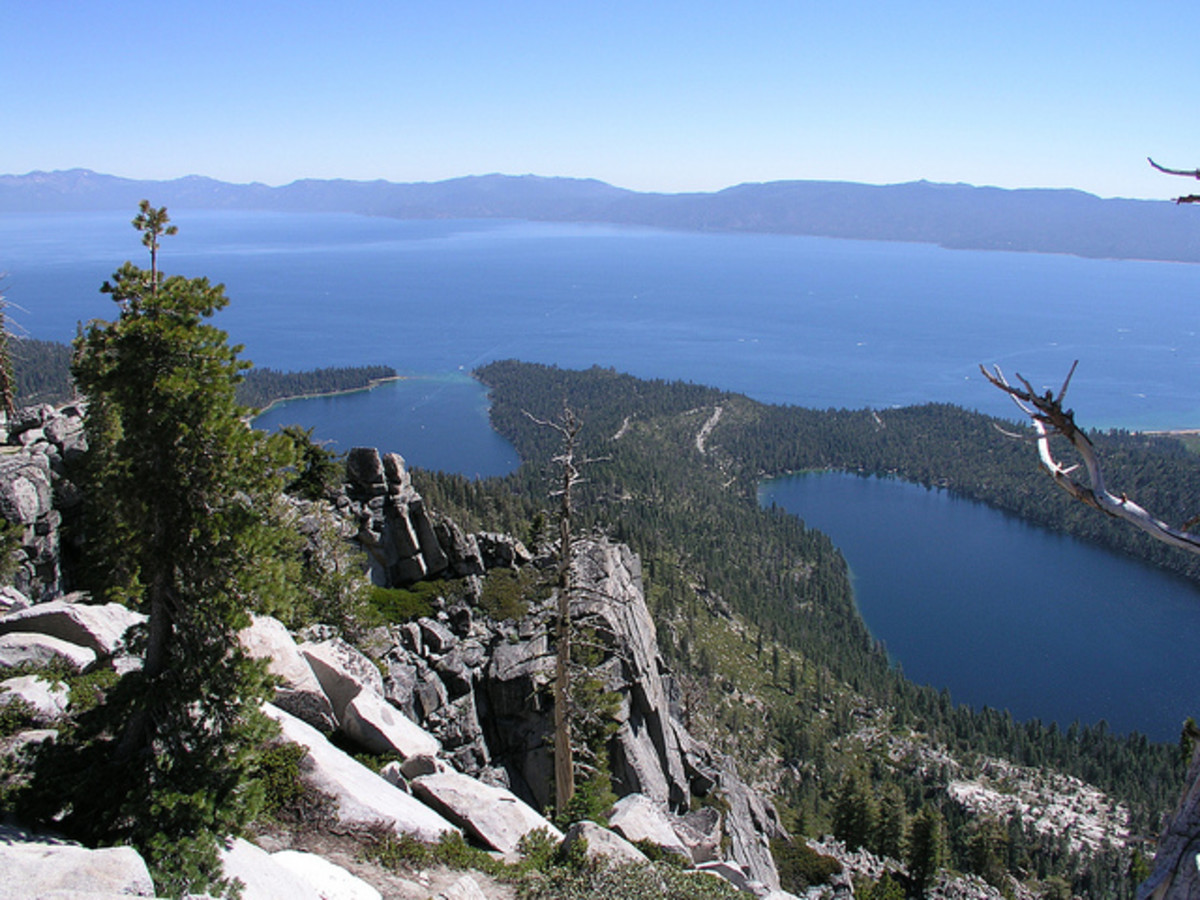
column 809, row 321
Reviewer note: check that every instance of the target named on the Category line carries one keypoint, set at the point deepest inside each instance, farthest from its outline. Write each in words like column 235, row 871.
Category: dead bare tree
column 1049, row 418
column 1186, row 173
column 568, row 426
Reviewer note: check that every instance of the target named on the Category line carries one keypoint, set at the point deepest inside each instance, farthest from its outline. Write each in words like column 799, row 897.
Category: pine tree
column 927, row 847
column 180, row 525
column 855, row 813
column 892, row 836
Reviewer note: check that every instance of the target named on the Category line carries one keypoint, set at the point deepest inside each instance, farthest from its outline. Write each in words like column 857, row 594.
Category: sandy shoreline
column 370, row 385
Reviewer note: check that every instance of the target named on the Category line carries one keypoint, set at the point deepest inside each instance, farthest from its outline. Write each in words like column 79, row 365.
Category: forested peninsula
column 43, row 375
column 755, row 610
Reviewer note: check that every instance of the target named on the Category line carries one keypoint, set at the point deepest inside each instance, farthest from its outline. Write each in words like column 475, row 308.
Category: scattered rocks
column 466, row 888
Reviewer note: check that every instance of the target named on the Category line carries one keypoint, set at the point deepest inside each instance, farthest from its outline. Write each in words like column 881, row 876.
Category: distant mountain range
column 957, row 216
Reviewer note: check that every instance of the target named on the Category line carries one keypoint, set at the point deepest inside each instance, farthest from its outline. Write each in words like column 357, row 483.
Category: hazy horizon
column 665, row 98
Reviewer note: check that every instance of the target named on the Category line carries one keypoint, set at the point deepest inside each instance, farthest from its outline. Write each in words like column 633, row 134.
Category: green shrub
column 504, row 595
column 630, row 882
column 16, row 715
column 404, row 604
column 278, row 771
column 800, row 866
column 451, row 850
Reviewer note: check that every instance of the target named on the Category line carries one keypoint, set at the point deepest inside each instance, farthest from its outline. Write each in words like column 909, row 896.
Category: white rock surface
column 379, row 727
column 638, row 818
column 19, row 647
column 603, row 843
column 362, row 797
column 33, row 868
column 299, row 691
column 100, row 627
column 48, row 699
column 466, row 888
column 263, row 877
column 331, row 881
column 495, row 816
column 12, row 600
column 731, row 872
column 342, row 671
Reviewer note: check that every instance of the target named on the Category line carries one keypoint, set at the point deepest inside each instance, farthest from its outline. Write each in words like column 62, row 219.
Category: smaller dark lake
column 1005, row 614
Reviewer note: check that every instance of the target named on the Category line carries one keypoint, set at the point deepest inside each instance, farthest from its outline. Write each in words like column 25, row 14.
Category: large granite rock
column 647, row 758
column 26, row 493
column 20, row 647
column 343, row 672
column 493, row 815
column 603, row 845
column 100, row 627
column 33, row 866
column 637, row 817
column 361, row 797
column 1176, row 874
column 331, row 882
column 48, row 700
column 262, row 876
column 298, row 690
column 378, row 727
column 751, row 824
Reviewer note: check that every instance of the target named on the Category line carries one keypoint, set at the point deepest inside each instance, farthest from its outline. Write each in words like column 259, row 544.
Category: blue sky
column 666, row 96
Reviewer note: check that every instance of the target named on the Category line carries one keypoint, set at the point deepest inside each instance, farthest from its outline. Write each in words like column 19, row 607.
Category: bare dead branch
column 1049, row 418
column 1186, row 173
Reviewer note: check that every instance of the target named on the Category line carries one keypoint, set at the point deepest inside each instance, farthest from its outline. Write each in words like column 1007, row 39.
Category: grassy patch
column 405, row 604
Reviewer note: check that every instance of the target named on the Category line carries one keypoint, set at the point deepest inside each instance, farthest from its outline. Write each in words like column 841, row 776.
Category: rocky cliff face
column 479, row 688
column 483, row 687
column 1176, row 874
column 37, row 447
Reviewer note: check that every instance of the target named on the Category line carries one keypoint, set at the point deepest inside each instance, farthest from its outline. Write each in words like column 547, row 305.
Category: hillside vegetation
column 756, row 615
column 43, row 373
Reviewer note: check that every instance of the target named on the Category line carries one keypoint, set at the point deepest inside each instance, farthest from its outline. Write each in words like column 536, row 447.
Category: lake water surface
column 809, row 321
column 1006, row 614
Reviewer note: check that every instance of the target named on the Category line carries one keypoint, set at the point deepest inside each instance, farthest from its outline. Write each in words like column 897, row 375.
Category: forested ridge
column 43, row 375
column 713, row 556
column 264, row 386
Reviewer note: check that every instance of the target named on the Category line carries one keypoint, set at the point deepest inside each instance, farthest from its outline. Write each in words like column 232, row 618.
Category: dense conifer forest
column 717, row 564
column 42, row 370
column 43, row 374
column 262, row 387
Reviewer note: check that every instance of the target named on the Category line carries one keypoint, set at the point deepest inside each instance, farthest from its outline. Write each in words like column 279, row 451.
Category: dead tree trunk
column 567, row 426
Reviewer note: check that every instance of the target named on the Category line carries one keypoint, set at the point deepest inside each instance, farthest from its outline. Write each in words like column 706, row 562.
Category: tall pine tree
column 180, row 525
